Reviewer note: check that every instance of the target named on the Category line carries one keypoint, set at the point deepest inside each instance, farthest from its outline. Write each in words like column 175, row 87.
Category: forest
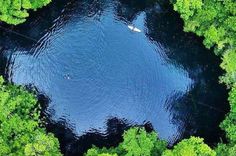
column 22, row 129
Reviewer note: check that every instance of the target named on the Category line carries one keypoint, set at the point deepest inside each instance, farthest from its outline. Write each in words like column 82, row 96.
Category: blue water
column 92, row 68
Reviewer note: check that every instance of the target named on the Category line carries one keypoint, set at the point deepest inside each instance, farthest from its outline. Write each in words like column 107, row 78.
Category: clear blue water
column 92, row 68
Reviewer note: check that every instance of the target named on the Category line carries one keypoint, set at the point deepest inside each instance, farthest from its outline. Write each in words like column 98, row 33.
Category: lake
column 96, row 77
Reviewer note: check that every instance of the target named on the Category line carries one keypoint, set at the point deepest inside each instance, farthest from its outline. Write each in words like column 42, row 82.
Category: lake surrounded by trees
column 96, row 77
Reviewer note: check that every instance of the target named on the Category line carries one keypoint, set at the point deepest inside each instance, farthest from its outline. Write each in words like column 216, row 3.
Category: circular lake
column 97, row 73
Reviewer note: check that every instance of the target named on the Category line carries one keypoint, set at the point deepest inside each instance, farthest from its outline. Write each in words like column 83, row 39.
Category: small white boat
column 134, row 28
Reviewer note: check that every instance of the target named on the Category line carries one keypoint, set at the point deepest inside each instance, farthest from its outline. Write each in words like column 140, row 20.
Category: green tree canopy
column 16, row 11
column 226, row 150
column 193, row 146
column 137, row 142
column 20, row 131
column 212, row 19
column 215, row 20
column 229, row 124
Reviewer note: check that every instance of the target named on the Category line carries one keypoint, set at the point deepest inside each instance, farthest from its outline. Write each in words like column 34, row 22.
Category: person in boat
column 133, row 28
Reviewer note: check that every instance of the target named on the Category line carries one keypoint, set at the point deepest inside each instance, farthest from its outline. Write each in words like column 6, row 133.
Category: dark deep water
column 99, row 78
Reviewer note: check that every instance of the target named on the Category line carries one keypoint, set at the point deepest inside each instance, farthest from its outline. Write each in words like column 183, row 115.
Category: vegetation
column 229, row 125
column 16, row 11
column 212, row 19
column 137, row 142
column 216, row 22
column 20, row 131
column 225, row 150
column 193, row 146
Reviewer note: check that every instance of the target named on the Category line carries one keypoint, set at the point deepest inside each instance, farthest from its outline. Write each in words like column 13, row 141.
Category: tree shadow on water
column 73, row 145
column 204, row 106
column 46, row 21
column 199, row 111
column 129, row 10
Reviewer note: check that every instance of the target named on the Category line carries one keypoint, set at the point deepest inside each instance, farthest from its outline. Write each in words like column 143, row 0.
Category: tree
column 20, row 131
column 229, row 65
column 225, row 150
column 193, row 146
column 137, row 142
column 16, row 11
column 214, row 20
column 97, row 152
column 229, row 124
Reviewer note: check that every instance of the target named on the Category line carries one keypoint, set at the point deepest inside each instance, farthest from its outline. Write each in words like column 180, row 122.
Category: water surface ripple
column 93, row 68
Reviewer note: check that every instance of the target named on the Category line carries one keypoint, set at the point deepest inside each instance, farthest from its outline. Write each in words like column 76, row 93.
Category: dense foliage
column 229, row 124
column 215, row 20
column 20, row 131
column 212, row 19
column 225, row 150
column 137, row 142
column 16, row 11
column 193, row 146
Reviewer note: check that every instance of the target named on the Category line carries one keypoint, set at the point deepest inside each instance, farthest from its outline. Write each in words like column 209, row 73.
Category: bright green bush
column 137, row 142
column 225, row 150
column 16, row 11
column 193, row 146
column 212, row 19
column 98, row 152
column 229, row 124
column 20, row 131
column 229, row 65
column 215, row 20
